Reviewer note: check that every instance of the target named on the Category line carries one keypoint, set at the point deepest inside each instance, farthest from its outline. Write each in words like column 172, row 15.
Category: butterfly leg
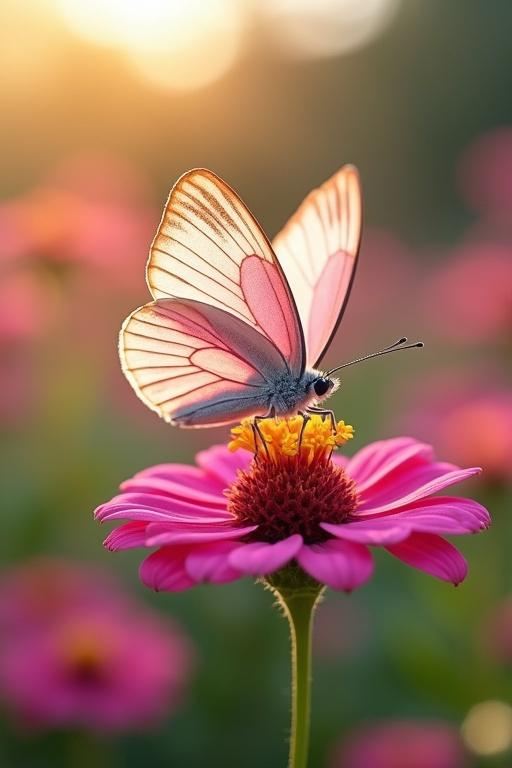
column 258, row 437
column 258, row 433
column 305, row 418
column 324, row 412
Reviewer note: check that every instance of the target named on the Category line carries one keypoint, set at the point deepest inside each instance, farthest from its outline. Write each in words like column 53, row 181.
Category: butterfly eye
column 322, row 386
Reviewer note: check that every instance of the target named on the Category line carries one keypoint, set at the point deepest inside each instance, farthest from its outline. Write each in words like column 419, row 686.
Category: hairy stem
column 298, row 603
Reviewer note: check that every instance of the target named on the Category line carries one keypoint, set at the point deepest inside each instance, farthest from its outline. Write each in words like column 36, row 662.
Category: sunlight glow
column 173, row 43
column 487, row 729
column 313, row 28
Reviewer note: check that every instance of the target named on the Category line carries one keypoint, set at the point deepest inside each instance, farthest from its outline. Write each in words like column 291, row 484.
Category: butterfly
column 237, row 325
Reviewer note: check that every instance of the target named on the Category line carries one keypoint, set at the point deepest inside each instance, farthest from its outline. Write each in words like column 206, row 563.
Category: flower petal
column 338, row 564
column 160, row 535
column 164, row 570
column 175, row 490
column 259, row 558
column 126, row 536
column 212, row 563
column 221, row 464
column 379, row 458
column 187, row 477
column 379, row 532
column 150, row 506
column 442, row 514
column 433, row 555
column 421, row 491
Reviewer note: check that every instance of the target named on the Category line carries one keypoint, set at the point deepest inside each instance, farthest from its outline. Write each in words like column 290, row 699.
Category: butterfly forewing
column 210, row 248
column 318, row 251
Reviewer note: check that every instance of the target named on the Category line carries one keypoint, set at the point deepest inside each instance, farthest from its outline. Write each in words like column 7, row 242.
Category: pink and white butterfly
column 238, row 326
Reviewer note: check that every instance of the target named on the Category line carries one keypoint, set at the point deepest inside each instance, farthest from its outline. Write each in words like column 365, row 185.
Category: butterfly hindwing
column 318, row 251
column 197, row 365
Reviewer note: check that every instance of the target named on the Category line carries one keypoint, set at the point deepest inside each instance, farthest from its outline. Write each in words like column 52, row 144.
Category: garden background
column 104, row 105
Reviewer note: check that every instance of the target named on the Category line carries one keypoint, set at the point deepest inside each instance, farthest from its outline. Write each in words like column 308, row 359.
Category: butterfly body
column 238, row 326
column 290, row 394
column 284, row 397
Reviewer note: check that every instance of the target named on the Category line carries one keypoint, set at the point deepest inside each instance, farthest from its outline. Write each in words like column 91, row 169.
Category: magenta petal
column 405, row 479
column 433, row 555
column 145, row 506
column 195, row 535
column 183, row 475
column 338, row 564
column 382, row 456
column 442, row 514
column 259, row 558
column 421, row 491
column 174, row 490
column 212, row 563
column 164, row 570
column 126, row 536
column 382, row 531
column 222, row 464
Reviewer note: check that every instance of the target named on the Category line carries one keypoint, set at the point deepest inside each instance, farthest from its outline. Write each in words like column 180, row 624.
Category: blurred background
column 104, row 104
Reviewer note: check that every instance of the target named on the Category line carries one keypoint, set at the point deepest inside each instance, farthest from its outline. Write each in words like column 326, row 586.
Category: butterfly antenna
column 398, row 345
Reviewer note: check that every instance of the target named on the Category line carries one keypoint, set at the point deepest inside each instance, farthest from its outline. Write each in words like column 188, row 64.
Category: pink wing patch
column 211, row 249
column 328, row 296
column 197, row 365
column 266, row 298
column 318, row 251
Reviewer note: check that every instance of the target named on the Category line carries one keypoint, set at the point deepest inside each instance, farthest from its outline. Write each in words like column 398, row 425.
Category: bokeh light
column 314, row 28
column 487, row 729
column 172, row 43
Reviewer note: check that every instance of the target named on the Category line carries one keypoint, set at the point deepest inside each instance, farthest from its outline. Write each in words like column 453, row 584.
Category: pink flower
column 402, row 744
column 232, row 516
column 32, row 593
column 27, row 306
column 75, row 234
column 472, row 294
column 88, row 658
column 27, row 309
column 92, row 211
column 485, row 175
column 382, row 255
column 470, row 418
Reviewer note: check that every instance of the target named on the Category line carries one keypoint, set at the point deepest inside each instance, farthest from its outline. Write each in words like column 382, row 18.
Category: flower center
column 83, row 658
column 292, row 485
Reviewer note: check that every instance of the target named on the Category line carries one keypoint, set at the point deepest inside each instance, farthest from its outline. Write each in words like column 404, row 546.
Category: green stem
column 298, row 603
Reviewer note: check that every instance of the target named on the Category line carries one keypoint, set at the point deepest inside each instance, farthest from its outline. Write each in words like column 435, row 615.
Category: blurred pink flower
column 382, row 496
column 384, row 261
column 28, row 307
column 32, row 593
column 79, row 239
column 402, row 744
column 93, row 210
column 469, row 296
column 78, row 654
column 468, row 417
column 485, row 173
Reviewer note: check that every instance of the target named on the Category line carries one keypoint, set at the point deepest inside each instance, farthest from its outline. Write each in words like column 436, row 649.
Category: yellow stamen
column 283, row 437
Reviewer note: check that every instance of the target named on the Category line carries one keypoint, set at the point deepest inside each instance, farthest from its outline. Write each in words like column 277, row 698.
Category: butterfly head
column 323, row 386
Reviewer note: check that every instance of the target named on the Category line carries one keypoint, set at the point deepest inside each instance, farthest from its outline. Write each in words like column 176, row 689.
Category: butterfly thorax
column 289, row 393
